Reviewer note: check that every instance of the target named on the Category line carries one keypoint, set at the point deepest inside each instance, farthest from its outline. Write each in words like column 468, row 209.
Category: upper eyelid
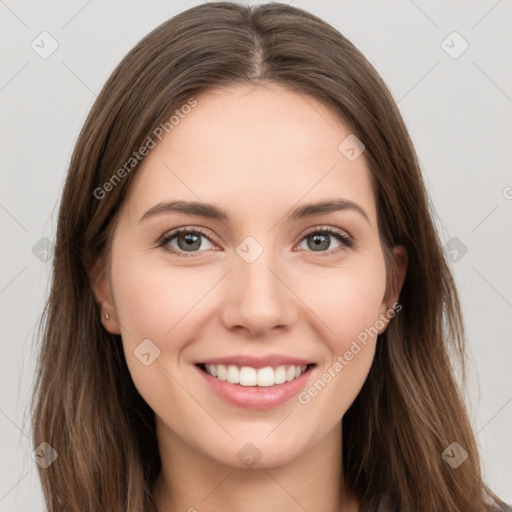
column 328, row 228
column 187, row 229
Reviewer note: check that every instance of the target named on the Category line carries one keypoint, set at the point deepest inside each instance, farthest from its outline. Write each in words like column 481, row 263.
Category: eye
column 185, row 240
column 320, row 240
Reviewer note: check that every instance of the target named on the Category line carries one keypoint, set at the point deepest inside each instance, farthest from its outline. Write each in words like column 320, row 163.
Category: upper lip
column 258, row 362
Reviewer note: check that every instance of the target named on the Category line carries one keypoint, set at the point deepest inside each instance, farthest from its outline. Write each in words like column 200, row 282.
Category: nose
column 258, row 299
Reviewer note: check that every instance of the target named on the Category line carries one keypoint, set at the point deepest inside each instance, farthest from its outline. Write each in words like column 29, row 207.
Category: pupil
column 321, row 241
column 190, row 240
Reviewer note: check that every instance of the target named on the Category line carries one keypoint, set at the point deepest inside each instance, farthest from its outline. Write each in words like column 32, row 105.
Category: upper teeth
column 247, row 376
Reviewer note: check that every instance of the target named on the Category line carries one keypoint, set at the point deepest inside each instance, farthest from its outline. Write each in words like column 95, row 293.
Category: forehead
column 255, row 148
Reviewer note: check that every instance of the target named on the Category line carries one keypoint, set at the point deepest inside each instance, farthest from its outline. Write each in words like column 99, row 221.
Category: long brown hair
column 409, row 410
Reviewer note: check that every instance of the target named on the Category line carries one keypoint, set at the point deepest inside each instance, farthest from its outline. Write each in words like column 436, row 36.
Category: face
column 257, row 326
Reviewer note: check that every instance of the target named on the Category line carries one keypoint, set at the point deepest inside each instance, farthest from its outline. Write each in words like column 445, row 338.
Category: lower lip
column 256, row 397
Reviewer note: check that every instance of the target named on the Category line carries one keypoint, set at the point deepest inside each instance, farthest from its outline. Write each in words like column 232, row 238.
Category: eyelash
column 345, row 240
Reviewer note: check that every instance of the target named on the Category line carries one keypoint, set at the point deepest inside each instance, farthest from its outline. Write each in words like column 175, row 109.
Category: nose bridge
column 258, row 297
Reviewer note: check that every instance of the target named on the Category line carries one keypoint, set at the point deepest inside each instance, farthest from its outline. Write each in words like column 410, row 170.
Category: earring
column 106, row 316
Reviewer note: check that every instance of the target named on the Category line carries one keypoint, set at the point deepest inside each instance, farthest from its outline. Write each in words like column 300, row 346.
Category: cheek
column 158, row 303
column 152, row 303
column 347, row 300
column 151, row 300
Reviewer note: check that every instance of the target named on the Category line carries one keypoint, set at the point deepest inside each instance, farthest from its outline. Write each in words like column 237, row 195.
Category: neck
column 191, row 481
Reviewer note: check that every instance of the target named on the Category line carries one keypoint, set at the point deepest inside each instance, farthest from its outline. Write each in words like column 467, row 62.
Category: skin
column 257, row 152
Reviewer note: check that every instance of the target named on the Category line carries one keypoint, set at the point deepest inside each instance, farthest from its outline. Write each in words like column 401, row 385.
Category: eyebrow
column 211, row 211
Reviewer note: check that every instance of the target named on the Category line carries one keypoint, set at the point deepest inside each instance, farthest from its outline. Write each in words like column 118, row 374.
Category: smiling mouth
column 259, row 377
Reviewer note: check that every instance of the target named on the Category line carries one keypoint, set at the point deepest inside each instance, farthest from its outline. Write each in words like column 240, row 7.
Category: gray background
column 458, row 112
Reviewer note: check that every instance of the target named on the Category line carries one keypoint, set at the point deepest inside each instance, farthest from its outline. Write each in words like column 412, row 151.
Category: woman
column 250, row 305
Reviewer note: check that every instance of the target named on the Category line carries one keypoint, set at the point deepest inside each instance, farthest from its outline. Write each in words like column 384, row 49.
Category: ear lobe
column 103, row 295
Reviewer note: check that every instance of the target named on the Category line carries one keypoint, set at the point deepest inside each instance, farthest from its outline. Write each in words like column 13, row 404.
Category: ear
column 396, row 281
column 102, row 289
